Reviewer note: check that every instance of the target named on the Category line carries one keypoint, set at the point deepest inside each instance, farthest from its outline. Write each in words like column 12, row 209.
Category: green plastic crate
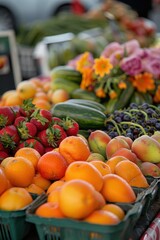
column 13, row 225
column 68, row 229
column 151, row 193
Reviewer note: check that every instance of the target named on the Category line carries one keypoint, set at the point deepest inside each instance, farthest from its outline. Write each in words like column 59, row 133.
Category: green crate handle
column 37, row 202
column 137, row 208
column 153, row 187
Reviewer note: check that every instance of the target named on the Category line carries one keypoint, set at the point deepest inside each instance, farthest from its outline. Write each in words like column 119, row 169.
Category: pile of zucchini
column 89, row 114
column 69, row 79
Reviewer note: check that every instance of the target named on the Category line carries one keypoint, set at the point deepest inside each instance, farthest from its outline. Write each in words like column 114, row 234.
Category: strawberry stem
column 7, row 141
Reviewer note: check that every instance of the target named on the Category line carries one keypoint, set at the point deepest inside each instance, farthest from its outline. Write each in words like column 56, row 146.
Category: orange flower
column 102, row 66
column 100, row 92
column 83, row 62
column 87, row 78
column 113, row 94
column 156, row 97
column 143, row 82
column 122, row 85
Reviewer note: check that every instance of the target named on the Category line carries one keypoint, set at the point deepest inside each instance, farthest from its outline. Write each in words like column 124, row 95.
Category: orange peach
column 147, row 149
column 127, row 139
column 129, row 171
column 114, row 145
column 127, row 153
column 98, row 141
column 117, row 189
column 112, row 162
column 103, row 167
column 150, row 169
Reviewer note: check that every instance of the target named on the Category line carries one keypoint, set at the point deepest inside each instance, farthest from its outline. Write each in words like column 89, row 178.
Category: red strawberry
column 47, row 137
column 56, row 120
column 41, row 118
column 43, row 137
column 16, row 110
column 48, row 149
column 4, row 151
column 9, row 136
column 34, row 143
column 1, row 147
column 59, row 134
column 6, row 116
column 18, row 120
column 27, row 108
column 70, row 126
column 3, row 155
column 26, row 130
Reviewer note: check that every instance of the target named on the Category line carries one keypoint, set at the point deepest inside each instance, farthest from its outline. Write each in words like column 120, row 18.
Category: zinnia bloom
column 87, row 78
column 143, row 82
column 113, row 94
column 102, row 66
column 122, row 85
column 73, row 62
column 84, row 61
column 156, row 97
column 100, row 92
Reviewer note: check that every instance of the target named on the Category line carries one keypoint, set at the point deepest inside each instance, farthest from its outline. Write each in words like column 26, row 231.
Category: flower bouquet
column 123, row 73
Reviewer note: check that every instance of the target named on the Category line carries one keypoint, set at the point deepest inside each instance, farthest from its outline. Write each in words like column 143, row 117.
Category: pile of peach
column 79, row 181
column 38, row 89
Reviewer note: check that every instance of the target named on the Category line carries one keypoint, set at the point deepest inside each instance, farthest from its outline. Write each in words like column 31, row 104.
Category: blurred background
column 52, row 32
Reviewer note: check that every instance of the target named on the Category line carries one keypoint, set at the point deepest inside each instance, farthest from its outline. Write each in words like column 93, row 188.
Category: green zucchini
column 141, row 98
column 110, row 105
column 67, row 73
column 85, row 133
column 88, row 103
column 125, row 96
column 84, row 94
column 87, row 117
column 60, row 83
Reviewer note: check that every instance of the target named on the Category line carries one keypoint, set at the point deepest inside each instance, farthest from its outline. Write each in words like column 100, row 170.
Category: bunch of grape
column 134, row 121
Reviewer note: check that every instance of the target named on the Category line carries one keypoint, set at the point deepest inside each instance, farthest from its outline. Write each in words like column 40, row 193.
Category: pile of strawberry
column 28, row 126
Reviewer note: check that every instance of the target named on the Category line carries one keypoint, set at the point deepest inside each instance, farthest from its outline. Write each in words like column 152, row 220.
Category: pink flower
column 131, row 65
column 154, row 52
column 141, row 53
column 116, row 57
column 72, row 62
column 111, row 48
column 152, row 65
column 131, row 46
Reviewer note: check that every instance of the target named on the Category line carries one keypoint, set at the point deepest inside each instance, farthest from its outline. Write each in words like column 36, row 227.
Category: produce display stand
column 147, row 227
column 142, row 218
